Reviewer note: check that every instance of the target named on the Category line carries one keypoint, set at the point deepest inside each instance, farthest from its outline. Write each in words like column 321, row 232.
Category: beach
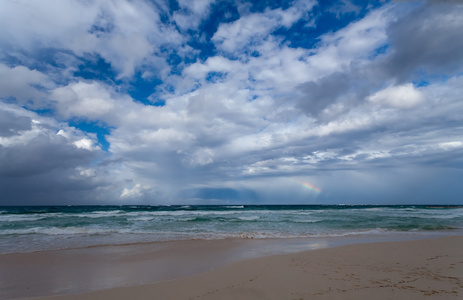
column 424, row 268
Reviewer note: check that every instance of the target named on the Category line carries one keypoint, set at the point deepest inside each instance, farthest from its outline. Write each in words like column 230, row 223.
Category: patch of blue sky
column 140, row 89
column 262, row 5
column 44, row 112
column 97, row 128
column 221, row 13
column 175, row 61
column 46, row 57
column 48, row 60
column 205, row 49
column 384, row 49
column 216, row 76
column 306, row 33
column 102, row 26
column 423, row 78
column 96, row 68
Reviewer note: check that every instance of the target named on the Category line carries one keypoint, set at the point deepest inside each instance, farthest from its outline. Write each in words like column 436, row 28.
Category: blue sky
column 221, row 102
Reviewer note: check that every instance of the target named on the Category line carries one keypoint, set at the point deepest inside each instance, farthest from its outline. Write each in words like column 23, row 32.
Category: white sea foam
column 306, row 221
column 187, row 219
column 181, row 213
column 250, row 218
column 212, row 213
column 373, row 209
column 431, row 214
column 63, row 231
column 21, row 218
column 101, row 214
column 143, row 219
column 93, row 214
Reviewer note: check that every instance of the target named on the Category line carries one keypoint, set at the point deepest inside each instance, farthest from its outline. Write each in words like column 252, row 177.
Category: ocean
column 28, row 229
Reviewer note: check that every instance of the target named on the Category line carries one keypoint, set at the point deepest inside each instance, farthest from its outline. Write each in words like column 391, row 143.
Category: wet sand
column 431, row 268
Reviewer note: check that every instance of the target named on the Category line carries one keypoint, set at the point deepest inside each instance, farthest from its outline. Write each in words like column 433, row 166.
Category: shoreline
column 357, row 236
column 103, row 269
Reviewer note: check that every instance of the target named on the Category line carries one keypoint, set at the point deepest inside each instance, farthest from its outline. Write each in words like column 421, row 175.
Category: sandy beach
column 429, row 268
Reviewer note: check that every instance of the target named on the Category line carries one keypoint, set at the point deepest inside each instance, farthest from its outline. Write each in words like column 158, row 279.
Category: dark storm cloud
column 40, row 166
column 348, row 88
column 56, row 187
column 10, row 124
column 318, row 95
column 41, row 155
column 429, row 40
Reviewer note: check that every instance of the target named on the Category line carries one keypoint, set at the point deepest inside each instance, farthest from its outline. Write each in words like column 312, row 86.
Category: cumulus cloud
column 25, row 85
column 413, row 49
column 344, row 7
column 191, row 13
column 81, row 99
column 253, row 29
column 124, row 33
column 134, row 192
column 451, row 145
column 403, row 96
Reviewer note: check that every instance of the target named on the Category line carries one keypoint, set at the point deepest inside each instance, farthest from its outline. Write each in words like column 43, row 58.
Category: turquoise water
column 24, row 229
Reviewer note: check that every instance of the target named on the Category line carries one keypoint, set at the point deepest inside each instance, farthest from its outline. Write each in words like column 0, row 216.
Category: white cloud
column 86, row 144
column 344, row 7
column 124, row 33
column 42, row 127
column 237, row 35
column 202, row 157
column 87, row 100
column 23, row 84
column 31, row 24
column 191, row 13
column 131, row 52
column 219, row 64
column 403, row 96
column 87, row 172
column 164, row 136
column 253, row 29
column 357, row 41
column 134, row 192
column 279, row 68
column 451, row 145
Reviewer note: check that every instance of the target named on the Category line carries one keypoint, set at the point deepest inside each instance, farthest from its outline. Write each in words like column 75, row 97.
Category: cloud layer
column 206, row 102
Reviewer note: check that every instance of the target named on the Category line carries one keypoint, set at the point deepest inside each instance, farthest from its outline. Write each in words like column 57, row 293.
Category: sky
column 225, row 102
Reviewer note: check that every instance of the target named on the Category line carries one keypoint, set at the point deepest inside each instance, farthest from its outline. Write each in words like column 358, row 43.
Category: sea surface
column 27, row 229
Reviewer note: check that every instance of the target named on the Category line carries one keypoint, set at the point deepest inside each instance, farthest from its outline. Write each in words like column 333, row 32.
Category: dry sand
column 420, row 269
